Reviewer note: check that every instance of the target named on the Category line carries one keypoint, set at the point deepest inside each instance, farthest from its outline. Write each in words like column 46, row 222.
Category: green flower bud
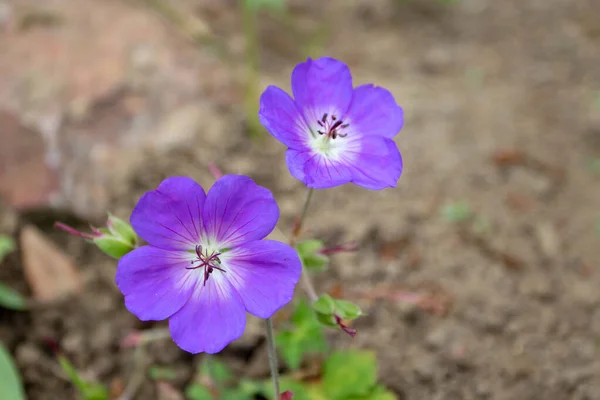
column 121, row 229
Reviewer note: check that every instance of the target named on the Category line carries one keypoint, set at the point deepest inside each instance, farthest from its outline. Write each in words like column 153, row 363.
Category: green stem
column 272, row 356
column 308, row 285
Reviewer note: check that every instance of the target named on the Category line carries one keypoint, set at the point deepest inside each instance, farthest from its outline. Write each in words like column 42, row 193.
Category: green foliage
column 160, row 373
column 312, row 260
column 87, row 390
column 196, row 391
column 350, row 373
column 327, row 308
column 7, row 246
column 10, row 380
column 305, row 336
column 456, row 212
column 11, row 299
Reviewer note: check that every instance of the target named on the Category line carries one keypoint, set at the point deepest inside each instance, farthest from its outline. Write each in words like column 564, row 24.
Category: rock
column 49, row 272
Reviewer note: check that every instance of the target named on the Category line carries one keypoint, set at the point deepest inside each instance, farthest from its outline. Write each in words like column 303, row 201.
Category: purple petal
column 212, row 318
column 317, row 171
column 264, row 273
column 374, row 111
column 322, row 86
column 237, row 210
column 378, row 164
column 170, row 216
column 155, row 282
column 280, row 116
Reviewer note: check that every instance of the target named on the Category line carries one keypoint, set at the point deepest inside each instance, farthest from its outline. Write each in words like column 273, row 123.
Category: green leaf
column 7, row 246
column 270, row 5
column 308, row 251
column 159, row 373
column 11, row 299
column 456, row 212
column 87, row 390
column 347, row 310
column 324, row 305
column 195, row 391
column 349, row 373
column 326, row 319
column 10, row 380
column 378, row 393
column 305, row 336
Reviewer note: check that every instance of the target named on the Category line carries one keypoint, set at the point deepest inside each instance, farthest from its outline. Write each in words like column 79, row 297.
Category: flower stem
column 308, row 286
column 272, row 356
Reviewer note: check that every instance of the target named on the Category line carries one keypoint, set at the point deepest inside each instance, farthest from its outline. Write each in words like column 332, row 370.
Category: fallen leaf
column 49, row 272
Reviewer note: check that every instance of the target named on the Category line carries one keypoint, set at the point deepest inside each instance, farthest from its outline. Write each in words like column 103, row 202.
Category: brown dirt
column 500, row 112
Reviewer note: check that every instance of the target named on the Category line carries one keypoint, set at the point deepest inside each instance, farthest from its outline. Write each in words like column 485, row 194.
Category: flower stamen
column 209, row 262
column 332, row 128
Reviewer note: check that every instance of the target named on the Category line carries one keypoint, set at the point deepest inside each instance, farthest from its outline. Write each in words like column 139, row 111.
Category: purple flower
column 335, row 133
column 206, row 264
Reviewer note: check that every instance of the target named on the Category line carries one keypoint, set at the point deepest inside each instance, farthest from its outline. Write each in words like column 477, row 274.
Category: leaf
column 378, row 393
column 305, row 336
column 299, row 389
column 456, row 212
column 347, row 309
column 11, row 299
column 308, row 251
column 87, row 390
column 195, row 391
column 7, row 246
column 159, row 373
column 349, row 373
column 10, row 380
column 324, row 305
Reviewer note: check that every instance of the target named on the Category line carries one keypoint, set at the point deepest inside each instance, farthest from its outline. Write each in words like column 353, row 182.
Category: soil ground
column 101, row 100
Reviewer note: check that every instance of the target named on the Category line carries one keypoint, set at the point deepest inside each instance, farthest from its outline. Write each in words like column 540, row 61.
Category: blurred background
column 494, row 227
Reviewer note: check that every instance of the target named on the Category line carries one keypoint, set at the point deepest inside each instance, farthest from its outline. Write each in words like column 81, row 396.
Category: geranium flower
column 206, row 264
column 335, row 133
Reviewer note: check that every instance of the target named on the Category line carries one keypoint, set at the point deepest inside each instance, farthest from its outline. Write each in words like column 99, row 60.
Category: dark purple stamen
column 208, row 262
column 332, row 128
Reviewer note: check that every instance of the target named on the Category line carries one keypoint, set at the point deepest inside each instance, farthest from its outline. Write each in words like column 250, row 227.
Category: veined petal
column 212, row 318
column 377, row 163
column 373, row 111
column 155, row 282
column 322, row 86
column 170, row 216
column 317, row 171
column 279, row 114
column 237, row 210
column 264, row 273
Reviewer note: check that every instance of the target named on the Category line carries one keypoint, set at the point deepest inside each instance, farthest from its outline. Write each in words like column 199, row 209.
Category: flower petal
column 212, row 318
column 170, row 216
column 378, row 164
column 237, row 210
column 316, row 171
column 264, row 273
column 155, row 282
column 322, row 86
column 373, row 111
column 281, row 117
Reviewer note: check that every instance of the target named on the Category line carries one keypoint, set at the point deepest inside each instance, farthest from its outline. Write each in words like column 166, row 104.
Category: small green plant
column 345, row 375
column 87, row 390
column 304, row 336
